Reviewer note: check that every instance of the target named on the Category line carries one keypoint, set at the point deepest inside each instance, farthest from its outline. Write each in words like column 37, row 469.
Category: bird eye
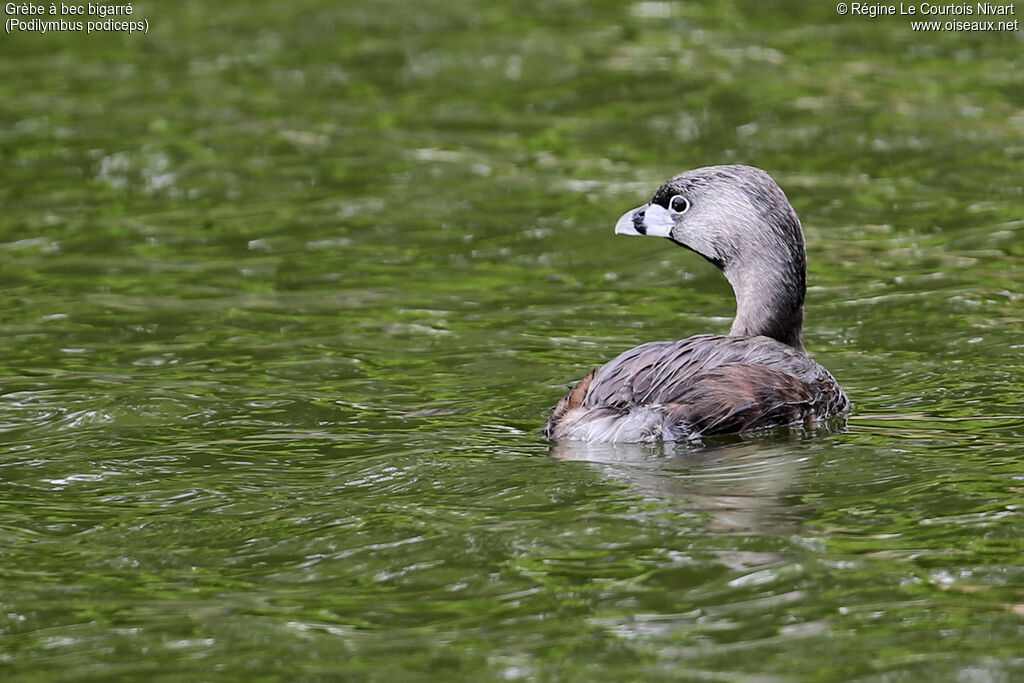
column 679, row 204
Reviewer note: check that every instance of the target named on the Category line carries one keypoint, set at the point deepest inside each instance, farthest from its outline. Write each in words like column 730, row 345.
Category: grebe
column 759, row 375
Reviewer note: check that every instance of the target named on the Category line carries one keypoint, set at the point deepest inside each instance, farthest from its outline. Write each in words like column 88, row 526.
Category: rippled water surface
column 289, row 288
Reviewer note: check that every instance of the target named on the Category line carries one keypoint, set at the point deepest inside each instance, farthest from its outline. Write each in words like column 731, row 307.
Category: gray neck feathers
column 768, row 273
column 772, row 313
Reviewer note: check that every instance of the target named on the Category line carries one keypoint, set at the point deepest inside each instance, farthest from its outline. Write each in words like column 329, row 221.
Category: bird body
column 706, row 385
column 759, row 375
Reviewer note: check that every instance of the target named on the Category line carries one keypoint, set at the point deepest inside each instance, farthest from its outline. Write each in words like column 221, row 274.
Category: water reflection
column 739, row 485
column 735, row 509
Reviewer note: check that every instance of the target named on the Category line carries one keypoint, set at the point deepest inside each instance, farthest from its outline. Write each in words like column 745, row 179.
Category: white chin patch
column 656, row 222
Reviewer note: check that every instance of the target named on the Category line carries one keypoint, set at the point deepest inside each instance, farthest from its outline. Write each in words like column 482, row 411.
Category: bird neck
column 770, row 299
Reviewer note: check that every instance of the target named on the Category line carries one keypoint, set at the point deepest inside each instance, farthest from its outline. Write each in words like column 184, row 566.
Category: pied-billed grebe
column 759, row 375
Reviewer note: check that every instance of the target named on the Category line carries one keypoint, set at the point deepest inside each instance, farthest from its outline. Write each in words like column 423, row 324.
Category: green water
column 287, row 290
